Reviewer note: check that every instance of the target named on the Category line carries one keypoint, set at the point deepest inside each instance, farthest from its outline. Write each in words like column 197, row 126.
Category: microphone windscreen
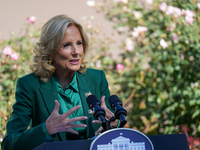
column 91, row 99
column 113, row 99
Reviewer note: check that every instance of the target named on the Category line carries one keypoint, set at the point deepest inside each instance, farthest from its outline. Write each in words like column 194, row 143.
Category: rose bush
column 15, row 56
column 159, row 83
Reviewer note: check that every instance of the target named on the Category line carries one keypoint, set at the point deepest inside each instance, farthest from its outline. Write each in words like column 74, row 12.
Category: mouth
column 74, row 61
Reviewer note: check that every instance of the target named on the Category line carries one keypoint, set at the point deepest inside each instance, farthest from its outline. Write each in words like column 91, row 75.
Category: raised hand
column 60, row 123
column 109, row 114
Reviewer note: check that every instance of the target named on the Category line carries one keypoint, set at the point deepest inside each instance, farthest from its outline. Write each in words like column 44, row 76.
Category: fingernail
column 79, row 106
column 85, row 125
column 93, row 121
column 85, row 118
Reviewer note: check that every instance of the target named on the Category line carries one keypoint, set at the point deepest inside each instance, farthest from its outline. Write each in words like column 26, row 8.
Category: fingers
column 99, row 130
column 109, row 114
column 77, row 119
column 57, row 106
column 69, row 112
column 103, row 104
column 114, row 123
column 76, row 125
column 96, row 121
column 72, row 131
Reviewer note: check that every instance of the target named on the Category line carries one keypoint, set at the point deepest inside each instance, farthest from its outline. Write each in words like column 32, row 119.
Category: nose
column 75, row 51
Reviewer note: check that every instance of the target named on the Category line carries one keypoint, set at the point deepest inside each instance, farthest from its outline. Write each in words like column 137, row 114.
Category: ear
column 50, row 57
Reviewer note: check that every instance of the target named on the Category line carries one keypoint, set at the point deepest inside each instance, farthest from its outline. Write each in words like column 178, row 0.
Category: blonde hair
column 50, row 41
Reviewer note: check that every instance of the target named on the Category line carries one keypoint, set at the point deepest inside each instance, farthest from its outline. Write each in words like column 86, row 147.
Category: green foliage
column 15, row 57
column 161, row 58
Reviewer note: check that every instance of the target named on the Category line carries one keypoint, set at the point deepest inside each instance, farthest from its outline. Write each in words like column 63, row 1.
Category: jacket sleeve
column 18, row 135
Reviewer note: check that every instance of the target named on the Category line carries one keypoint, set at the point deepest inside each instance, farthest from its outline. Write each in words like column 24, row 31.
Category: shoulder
column 94, row 73
column 29, row 79
column 91, row 71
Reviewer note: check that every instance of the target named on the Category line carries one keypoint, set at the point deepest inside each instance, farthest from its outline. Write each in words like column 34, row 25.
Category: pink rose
column 198, row 5
column 170, row 10
column 189, row 20
column 7, row 50
column 90, row 3
column 163, row 6
column 129, row 44
column 135, row 34
column 163, row 43
column 119, row 67
column 149, row 2
column 190, row 139
column 14, row 66
column 196, row 141
column 182, row 56
column 191, row 58
column 189, row 13
column 130, row 47
column 177, row 12
column 14, row 56
column 139, row 30
column 142, row 29
column 168, row 29
column 175, row 37
column 32, row 19
column 146, row 66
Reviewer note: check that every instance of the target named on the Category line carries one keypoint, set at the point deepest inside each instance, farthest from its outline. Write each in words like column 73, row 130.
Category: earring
column 49, row 61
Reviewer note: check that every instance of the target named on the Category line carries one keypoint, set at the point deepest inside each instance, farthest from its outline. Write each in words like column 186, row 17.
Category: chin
column 74, row 68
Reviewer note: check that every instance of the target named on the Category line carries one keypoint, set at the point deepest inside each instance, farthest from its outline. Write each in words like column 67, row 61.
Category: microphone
column 99, row 113
column 120, row 112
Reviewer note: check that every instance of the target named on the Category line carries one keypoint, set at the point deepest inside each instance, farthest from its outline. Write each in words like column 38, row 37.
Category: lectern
column 122, row 139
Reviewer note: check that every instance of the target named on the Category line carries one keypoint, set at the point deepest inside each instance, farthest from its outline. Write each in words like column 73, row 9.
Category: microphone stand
column 106, row 125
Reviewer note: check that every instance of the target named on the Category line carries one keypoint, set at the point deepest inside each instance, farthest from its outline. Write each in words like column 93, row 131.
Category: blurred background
column 14, row 14
column 149, row 50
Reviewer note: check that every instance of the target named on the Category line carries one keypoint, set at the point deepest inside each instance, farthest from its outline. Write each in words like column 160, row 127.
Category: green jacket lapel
column 86, row 86
column 49, row 93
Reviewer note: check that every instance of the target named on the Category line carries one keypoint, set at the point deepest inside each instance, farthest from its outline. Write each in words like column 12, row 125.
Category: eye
column 79, row 43
column 66, row 45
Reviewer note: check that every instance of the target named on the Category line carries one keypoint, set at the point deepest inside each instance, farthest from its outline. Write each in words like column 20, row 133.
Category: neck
column 64, row 78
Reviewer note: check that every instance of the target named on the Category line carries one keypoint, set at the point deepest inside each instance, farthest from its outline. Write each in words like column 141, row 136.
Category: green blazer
column 35, row 101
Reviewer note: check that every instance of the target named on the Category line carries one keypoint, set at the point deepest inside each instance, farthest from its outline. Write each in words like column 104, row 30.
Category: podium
column 160, row 142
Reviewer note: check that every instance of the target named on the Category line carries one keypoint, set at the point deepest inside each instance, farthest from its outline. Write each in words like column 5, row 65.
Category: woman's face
column 68, row 58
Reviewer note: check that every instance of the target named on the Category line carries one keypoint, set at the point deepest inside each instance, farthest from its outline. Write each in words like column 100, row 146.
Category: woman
column 52, row 99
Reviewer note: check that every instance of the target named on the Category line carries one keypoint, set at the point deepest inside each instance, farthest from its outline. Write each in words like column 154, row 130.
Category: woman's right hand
column 60, row 123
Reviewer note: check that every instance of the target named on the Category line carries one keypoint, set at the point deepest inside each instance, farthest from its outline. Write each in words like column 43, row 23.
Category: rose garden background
column 157, row 75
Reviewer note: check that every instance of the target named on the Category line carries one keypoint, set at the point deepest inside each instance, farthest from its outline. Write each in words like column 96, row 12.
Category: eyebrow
column 71, row 42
